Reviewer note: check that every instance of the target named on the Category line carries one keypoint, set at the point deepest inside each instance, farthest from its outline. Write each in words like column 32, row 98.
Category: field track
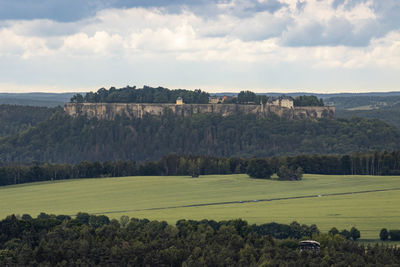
column 249, row 201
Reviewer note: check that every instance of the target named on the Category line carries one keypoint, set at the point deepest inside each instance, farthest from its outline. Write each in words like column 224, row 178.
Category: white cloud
column 100, row 44
column 23, row 46
column 317, row 36
column 185, row 36
column 42, row 27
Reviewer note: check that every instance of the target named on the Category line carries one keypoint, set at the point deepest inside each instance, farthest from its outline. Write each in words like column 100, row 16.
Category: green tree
column 124, row 220
column 78, row 98
column 384, row 234
column 299, row 173
column 99, row 220
column 83, row 217
column 286, row 173
column 194, row 168
column 245, row 97
column 355, row 233
column 259, row 168
column 345, row 233
column 334, row 231
column 26, row 217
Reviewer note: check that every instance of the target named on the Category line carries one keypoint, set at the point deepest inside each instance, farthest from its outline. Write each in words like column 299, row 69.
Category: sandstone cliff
column 109, row 111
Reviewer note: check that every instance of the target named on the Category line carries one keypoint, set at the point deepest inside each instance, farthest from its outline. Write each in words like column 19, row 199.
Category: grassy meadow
column 162, row 198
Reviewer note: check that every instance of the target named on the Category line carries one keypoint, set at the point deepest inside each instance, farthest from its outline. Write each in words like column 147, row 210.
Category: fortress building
column 283, row 102
column 179, row 101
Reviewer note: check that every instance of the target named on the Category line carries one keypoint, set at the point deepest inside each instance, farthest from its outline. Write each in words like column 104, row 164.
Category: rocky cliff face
column 109, row 111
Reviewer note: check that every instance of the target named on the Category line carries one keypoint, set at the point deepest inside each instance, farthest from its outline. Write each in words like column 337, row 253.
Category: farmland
column 220, row 197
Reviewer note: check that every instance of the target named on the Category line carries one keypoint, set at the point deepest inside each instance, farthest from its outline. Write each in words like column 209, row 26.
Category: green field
column 162, row 198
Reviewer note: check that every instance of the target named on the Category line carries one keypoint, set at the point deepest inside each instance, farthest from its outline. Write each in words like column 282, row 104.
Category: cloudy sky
column 216, row 45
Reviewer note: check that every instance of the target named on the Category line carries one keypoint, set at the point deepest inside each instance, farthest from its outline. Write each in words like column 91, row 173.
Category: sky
column 320, row 46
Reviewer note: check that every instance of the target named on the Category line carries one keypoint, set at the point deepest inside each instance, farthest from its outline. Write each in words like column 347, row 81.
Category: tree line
column 92, row 240
column 304, row 100
column 353, row 234
column 287, row 168
column 149, row 94
column 63, row 139
column 247, row 97
column 393, row 235
column 146, row 94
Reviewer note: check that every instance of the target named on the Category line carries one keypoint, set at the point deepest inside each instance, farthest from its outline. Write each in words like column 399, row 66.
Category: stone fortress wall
column 109, row 111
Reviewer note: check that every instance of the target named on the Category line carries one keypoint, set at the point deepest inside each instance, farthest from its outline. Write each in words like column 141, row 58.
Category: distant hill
column 386, row 108
column 365, row 102
column 36, row 99
column 323, row 96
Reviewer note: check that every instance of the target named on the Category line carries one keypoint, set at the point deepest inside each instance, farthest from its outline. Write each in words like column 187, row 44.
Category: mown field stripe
column 250, row 201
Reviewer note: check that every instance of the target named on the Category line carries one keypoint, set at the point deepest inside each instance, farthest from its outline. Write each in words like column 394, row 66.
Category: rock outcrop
column 109, row 111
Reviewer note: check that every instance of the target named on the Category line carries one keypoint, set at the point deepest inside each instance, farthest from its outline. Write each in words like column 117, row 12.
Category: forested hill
column 14, row 119
column 69, row 140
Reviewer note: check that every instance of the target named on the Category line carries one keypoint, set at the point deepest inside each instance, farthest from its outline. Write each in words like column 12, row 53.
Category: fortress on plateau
column 281, row 107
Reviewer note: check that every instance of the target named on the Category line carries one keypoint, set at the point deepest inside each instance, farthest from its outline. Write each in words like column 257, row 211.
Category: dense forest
column 372, row 163
column 14, row 119
column 91, row 240
column 146, row 94
column 63, row 139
